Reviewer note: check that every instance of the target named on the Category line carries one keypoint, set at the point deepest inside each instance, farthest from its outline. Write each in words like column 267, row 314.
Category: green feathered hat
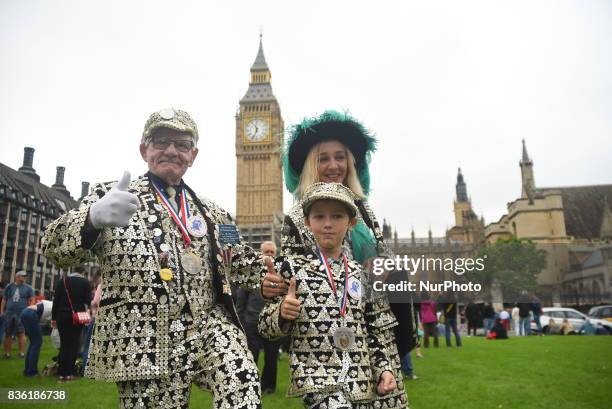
column 330, row 125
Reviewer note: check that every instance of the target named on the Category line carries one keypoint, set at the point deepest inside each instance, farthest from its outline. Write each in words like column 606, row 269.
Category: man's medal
column 191, row 262
column 194, row 225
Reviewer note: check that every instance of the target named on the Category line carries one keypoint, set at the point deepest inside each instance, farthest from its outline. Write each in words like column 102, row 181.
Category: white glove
column 116, row 208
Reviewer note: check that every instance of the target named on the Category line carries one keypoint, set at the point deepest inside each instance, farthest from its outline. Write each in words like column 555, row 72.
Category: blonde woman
column 332, row 147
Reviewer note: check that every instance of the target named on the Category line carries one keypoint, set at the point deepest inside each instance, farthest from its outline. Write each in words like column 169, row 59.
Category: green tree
column 513, row 264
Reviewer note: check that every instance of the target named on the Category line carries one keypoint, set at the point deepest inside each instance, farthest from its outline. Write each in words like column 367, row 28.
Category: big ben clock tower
column 259, row 137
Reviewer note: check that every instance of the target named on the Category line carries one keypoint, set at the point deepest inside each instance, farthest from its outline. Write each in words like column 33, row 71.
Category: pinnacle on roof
column 525, row 159
column 461, row 188
column 260, row 60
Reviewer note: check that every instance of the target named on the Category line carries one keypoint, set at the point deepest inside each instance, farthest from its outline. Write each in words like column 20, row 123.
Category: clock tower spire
column 259, row 137
column 260, row 61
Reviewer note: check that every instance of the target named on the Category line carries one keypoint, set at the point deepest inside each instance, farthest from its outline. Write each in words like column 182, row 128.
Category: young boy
column 336, row 361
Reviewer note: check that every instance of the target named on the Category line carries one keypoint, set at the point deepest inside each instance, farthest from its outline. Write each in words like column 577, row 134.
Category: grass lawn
column 528, row 372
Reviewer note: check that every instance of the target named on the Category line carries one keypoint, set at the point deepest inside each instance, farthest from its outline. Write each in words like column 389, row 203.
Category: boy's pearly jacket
column 316, row 363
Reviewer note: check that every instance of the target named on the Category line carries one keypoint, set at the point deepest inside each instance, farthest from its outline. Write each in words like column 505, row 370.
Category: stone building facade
column 27, row 206
column 574, row 226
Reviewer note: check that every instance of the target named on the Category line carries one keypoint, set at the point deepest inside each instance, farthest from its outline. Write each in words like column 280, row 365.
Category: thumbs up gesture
column 272, row 285
column 290, row 307
column 116, row 208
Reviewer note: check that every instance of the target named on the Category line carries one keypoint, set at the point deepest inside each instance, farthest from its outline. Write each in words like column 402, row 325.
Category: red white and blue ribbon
column 227, row 255
column 181, row 218
column 185, row 213
column 332, row 282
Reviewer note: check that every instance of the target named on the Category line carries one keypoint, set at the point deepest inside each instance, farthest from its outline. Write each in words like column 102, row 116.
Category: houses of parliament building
column 572, row 224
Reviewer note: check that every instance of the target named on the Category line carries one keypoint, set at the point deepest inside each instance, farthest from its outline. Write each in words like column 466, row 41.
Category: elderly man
column 166, row 317
column 17, row 296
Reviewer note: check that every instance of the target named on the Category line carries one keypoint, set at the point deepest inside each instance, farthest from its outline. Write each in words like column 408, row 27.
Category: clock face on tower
column 256, row 130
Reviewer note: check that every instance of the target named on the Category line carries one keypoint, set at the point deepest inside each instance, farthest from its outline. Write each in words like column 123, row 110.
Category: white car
column 575, row 318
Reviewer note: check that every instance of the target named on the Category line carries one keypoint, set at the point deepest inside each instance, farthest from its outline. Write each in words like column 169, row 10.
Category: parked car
column 601, row 312
column 575, row 318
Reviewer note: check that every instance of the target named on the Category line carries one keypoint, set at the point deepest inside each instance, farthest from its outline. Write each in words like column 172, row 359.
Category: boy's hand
column 386, row 383
column 290, row 307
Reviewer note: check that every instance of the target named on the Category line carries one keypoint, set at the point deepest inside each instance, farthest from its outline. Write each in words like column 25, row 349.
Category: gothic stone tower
column 468, row 228
column 259, row 138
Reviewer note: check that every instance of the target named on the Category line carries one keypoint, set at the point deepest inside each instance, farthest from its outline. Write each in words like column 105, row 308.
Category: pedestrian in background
column 248, row 306
column 449, row 311
column 488, row 317
column 31, row 318
column 524, row 306
column 409, row 325
column 72, row 294
column 429, row 320
column 516, row 321
column 17, row 296
column 472, row 315
column 536, row 310
column 504, row 317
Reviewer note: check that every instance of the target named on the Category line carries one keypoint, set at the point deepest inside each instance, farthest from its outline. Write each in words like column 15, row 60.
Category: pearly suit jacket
column 131, row 338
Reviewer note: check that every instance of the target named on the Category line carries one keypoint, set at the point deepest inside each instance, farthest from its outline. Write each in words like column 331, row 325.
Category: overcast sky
column 443, row 84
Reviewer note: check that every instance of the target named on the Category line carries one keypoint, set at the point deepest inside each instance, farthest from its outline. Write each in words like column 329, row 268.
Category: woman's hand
column 272, row 285
column 386, row 383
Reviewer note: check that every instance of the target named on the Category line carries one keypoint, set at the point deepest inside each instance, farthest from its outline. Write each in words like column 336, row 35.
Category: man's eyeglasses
column 179, row 145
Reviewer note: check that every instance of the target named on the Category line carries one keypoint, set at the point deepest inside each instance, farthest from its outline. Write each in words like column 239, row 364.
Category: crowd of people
column 25, row 317
column 518, row 317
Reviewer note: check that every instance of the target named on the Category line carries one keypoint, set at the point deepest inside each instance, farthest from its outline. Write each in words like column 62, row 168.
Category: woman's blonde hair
column 310, row 173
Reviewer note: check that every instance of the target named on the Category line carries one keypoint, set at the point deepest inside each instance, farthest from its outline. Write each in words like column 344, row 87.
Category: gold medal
column 191, row 262
column 166, row 274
